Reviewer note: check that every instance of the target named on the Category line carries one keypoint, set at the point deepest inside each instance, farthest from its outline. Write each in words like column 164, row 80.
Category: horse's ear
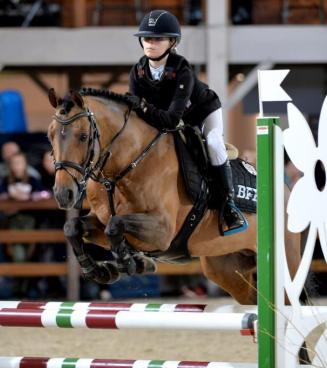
column 53, row 98
column 77, row 98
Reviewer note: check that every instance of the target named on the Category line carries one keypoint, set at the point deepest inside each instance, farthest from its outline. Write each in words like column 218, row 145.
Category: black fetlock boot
column 233, row 217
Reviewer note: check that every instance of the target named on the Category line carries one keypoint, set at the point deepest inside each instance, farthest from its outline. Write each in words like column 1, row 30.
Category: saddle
column 203, row 189
column 195, row 167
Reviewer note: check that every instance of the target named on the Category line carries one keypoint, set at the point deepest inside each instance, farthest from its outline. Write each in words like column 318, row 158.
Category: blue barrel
column 12, row 114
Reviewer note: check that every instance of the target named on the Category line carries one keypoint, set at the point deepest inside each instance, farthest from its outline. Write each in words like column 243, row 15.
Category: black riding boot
column 233, row 217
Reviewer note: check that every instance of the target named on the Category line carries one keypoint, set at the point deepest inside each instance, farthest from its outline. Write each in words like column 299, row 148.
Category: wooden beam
column 37, row 269
column 192, row 268
column 31, row 269
column 11, row 205
column 318, row 265
column 32, row 236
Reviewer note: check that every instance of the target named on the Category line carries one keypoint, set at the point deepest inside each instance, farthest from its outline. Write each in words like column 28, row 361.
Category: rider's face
column 155, row 46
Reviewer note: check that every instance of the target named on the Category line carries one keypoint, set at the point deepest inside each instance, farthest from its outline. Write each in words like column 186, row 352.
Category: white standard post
column 279, row 248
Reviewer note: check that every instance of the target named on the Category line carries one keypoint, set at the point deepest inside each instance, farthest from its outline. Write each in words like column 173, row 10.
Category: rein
column 87, row 170
column 110, row 184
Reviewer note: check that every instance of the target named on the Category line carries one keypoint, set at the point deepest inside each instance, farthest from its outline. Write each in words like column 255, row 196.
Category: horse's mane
column 104, row 93
column 68, row 103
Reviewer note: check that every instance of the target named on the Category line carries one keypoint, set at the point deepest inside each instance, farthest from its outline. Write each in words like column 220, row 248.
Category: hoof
column 127, row 267
column 144, row 264
column 102, row 272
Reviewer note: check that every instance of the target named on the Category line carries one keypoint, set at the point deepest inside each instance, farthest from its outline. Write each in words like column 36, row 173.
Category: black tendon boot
column 233, row 217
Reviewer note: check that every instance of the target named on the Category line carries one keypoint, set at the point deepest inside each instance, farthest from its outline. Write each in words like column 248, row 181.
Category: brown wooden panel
column 174, row 6
column 304, row 16
column 113, row 13
column 33, row 269
column 267, row 11
column 303, row 3
column 32, row 236
column 305, row 11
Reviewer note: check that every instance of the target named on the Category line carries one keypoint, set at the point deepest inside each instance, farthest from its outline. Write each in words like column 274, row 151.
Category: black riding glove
column 159, row 119
column 135, row 102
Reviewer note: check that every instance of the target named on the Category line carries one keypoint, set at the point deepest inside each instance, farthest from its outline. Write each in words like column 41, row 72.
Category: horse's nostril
column 70, row 194
column 64, row 195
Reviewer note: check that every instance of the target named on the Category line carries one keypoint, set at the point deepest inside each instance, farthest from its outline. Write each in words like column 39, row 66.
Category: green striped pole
column 36, row 362
column 265, row 241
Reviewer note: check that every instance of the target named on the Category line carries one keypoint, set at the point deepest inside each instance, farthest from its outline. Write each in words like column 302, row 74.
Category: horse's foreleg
column 121, row 249
column 148, row 228
column 103, row 273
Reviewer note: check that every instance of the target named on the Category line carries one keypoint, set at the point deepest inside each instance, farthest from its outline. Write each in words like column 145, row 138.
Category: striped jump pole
column 113, row 307
column 36, row 362
column 99, row 319
column 133, row 307
column 24, row 362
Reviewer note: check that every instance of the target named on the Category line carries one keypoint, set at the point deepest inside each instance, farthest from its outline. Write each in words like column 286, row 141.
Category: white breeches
column 213, row 129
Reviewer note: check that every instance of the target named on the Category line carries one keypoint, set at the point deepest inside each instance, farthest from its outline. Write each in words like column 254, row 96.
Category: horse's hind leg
column 104, row 273
column 234, row 273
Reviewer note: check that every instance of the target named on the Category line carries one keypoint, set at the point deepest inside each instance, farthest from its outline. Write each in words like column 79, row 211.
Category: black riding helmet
column 159, row 23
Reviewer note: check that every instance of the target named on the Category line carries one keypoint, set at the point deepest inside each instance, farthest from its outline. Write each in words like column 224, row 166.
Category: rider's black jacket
column 177, row 95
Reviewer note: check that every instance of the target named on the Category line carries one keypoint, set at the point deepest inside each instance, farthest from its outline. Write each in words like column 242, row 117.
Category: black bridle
column 94, row 171
column 85, row 168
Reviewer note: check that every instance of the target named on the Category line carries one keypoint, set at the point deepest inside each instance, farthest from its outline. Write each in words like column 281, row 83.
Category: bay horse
column 137, row 199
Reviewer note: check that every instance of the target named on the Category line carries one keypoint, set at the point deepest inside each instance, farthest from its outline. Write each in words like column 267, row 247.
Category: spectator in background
column 47, row 171
column 50, row 286
column 8, row 150
column 18, row 184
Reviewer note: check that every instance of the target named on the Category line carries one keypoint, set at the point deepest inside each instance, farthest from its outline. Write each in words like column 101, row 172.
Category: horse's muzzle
column 64, row 196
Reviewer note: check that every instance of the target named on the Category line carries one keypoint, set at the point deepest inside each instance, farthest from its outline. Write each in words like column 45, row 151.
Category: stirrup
column 238, row 229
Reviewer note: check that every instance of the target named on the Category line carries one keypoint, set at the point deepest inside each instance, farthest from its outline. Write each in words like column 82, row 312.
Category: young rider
column 164, row 89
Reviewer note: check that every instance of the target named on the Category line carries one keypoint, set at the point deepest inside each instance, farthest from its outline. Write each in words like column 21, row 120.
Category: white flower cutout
column 307, row 203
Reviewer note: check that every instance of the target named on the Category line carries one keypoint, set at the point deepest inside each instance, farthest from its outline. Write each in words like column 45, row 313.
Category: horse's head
column 74, row 138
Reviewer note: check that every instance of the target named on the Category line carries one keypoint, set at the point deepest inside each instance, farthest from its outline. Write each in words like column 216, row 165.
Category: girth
column 178, row 251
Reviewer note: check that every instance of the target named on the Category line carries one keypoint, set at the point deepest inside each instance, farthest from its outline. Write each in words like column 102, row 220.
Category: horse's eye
column 83, row 137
